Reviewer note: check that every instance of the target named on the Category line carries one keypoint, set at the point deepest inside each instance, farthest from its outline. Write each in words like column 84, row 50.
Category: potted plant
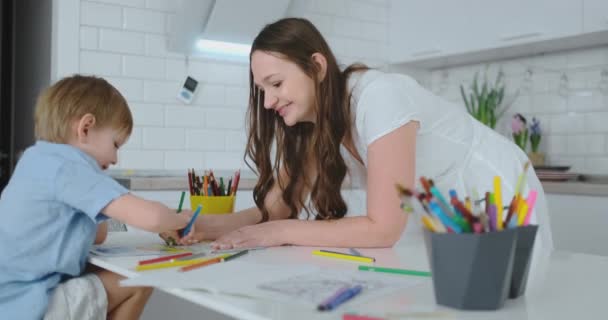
column 537, row 158
column 487, row 103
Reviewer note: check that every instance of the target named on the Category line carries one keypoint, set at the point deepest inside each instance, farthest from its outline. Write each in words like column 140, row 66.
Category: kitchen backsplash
column 125, row 42
column 568, row 93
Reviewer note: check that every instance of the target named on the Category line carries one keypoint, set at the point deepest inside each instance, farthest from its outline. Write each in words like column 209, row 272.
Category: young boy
column 56, row 199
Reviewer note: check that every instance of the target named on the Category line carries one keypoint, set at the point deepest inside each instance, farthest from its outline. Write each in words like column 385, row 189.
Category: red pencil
column 237, row 178
column 165, row 258
column 425, row 185
column 190, row 182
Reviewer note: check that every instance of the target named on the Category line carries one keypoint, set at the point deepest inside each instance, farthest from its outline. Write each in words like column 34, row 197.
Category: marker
column 445, row 219
column 531, row 202
column 498, row 201
column 445, row 206
column 341, row 298
column 396, row 271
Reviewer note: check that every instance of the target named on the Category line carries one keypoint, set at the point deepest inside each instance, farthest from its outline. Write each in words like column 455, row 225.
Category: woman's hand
column 268, row 234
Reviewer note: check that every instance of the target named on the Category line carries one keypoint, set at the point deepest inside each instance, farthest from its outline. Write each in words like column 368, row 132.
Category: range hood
column 235, row 21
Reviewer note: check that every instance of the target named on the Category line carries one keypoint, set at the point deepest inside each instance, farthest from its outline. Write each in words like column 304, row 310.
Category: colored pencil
column 164, row 258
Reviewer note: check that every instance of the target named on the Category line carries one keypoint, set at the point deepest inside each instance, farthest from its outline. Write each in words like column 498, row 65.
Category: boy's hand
column 172, row 238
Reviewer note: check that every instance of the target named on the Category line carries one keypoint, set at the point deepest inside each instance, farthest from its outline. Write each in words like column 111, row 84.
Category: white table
column 572, row 285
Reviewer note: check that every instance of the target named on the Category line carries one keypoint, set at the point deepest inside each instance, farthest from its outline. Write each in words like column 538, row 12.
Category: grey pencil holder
column 471, row 271
column 522, row 260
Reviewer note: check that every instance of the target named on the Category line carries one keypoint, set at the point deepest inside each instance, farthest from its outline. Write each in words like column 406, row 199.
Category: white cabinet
column 520, row 21
column 595, row 15
column 579, row 223
column 425, row 29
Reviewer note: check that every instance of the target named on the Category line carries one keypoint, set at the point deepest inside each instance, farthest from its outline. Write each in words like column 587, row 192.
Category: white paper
column 235, row 276
column 304, row 284
column 312, row 288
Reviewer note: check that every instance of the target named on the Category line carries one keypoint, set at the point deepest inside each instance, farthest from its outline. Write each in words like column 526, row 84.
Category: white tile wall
column 125, row 42
column 574, row 119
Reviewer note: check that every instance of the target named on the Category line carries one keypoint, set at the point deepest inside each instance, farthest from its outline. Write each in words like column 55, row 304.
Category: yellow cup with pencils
column 213, row 204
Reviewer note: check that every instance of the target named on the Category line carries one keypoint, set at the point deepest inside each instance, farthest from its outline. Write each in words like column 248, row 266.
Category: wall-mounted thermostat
column 186, row 92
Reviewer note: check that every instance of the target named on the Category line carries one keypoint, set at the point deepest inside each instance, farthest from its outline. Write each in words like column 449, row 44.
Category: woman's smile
column 283, row 110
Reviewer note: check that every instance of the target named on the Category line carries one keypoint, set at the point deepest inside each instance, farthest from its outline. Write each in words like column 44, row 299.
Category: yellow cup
column 213, row 204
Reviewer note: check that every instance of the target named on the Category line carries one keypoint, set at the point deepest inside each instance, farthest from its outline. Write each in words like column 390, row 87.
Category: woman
column 310, row 124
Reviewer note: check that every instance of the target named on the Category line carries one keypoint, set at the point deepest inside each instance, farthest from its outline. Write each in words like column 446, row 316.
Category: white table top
column 572, row 285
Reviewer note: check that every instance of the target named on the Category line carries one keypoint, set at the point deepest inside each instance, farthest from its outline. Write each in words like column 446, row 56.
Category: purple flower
column 535, row 127
column 535, row 134
column 518, row 123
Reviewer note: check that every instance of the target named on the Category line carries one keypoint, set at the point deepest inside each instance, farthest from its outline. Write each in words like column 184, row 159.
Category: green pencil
column 181, row 202
column 236, row 255
column 396, row 271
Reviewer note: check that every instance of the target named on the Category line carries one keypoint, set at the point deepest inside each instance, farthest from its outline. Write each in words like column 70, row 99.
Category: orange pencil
column 201, row 264
column 205, row 185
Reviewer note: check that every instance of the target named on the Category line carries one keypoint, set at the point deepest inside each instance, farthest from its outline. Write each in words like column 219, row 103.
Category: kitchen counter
column 176, row 180
column 576, row 188
column 146, row 180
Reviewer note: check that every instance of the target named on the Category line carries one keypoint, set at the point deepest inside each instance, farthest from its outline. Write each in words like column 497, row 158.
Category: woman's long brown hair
column 297, row 146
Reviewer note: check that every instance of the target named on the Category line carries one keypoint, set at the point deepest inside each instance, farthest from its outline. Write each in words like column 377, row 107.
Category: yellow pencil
column 498, row 201
column 521, row 213
column 345, row 256
column 169, row 264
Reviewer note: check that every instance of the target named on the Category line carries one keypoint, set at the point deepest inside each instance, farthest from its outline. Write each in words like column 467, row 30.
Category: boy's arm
column 102, row 232
column 148, row 215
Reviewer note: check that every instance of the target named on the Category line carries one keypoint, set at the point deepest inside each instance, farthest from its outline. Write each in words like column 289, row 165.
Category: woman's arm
column 391, row 160
column 148, row 215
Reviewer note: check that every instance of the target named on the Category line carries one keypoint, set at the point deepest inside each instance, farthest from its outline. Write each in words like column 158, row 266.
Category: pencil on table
column 201, row 264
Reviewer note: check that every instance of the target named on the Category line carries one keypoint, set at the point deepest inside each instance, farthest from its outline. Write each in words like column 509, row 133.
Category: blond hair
column 73, row 97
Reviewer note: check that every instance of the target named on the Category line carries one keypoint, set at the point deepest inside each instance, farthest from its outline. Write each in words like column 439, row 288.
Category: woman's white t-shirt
column 452, row 148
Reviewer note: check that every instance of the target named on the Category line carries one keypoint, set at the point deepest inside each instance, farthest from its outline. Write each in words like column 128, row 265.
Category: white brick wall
column 574, row 120
column 125, row 42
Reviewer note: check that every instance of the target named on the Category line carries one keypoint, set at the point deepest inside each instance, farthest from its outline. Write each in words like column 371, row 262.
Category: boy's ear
column 86, row 123
column 321, row 63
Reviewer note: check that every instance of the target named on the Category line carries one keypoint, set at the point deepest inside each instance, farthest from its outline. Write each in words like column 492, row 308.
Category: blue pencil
column 189, row 226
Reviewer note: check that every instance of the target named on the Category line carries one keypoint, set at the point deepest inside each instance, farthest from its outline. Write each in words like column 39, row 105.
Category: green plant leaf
column 464, row 98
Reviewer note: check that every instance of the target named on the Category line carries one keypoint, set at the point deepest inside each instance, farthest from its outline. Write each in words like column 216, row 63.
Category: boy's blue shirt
column 48, row 221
